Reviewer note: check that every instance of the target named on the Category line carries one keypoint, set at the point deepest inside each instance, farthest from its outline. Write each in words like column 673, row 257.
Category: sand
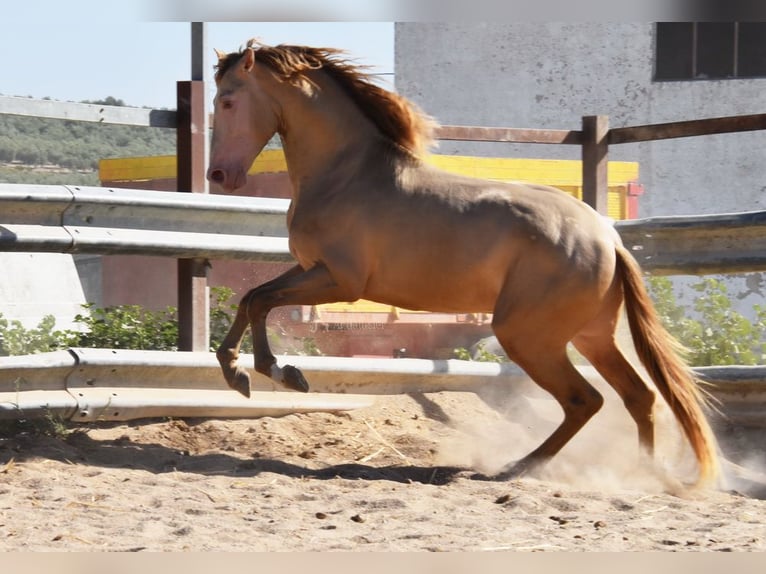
column 392, row 477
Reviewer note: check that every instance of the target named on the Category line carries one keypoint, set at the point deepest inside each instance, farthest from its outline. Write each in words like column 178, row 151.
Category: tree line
column 73, row 145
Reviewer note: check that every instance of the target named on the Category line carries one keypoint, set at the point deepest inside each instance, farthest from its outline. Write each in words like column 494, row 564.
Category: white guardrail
column 72, row 219
column 75, row 219
column 95, row 384
column 103, row 384
column 88, row 385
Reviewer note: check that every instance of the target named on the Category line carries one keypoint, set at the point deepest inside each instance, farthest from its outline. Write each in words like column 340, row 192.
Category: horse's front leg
column 296, row 287
column 228, row 353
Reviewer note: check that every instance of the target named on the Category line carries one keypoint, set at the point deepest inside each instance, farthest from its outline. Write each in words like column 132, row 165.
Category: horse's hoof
column 292, row 378
column 509, row 472
column 480, row 476
column 241, row 383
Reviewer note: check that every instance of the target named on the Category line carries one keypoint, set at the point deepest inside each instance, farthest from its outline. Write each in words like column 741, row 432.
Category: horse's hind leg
column 604, row 354
column 548, row 365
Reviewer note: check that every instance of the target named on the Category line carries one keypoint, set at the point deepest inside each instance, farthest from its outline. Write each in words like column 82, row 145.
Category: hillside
column 49, row 151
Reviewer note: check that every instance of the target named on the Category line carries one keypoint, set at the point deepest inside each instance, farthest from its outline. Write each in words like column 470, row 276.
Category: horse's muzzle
column 227, row 179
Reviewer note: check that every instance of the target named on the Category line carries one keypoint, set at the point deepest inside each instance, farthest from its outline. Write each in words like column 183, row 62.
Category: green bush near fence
column 718, row 335
column 134, row 327
column 118, row 327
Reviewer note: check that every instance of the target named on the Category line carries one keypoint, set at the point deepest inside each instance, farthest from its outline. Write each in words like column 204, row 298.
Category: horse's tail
column 660, row 354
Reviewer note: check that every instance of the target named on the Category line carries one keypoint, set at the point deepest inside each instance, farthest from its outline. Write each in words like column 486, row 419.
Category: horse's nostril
column 217, row 176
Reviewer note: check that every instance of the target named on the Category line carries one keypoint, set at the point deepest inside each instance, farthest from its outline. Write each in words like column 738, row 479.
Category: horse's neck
column 320, row 130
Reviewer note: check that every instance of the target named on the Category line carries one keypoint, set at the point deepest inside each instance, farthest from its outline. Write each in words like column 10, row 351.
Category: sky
column 90, row 49
column 136, row 50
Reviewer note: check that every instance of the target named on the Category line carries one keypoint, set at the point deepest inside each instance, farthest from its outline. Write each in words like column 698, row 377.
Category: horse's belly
column 467, row 291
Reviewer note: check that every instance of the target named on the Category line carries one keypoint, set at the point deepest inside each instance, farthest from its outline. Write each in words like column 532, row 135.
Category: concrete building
column 548, row 75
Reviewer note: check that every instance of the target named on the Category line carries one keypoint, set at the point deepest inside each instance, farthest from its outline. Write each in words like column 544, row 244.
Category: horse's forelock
column 225, row 63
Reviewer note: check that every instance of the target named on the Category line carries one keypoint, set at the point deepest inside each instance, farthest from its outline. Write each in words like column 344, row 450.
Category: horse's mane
column 398, row 119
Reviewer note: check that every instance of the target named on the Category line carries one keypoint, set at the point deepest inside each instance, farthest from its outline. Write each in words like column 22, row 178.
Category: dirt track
column 390, row 477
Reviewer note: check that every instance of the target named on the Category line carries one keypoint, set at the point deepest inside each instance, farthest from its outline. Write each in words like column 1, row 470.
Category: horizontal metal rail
column 64, row 219
column 97, row 220
column 697, row 245
column 103, row 384
column 86, row 384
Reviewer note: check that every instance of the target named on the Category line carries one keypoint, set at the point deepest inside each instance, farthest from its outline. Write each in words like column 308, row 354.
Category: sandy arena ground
column 394, row 476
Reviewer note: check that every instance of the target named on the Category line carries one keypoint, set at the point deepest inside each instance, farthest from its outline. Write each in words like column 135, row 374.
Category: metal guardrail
column 698, row 245
column 87, row 385
column 69, row 219
column 102, row 384
column 66, row 219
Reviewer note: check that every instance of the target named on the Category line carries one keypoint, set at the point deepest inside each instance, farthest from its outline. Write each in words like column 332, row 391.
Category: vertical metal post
column 595, row 151
column 191, row 144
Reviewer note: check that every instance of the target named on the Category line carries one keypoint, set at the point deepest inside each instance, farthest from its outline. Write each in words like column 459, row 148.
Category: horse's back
column 539, row 211
column 436, row 226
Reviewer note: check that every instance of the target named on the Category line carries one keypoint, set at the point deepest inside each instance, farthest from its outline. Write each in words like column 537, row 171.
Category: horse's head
column 244, row 119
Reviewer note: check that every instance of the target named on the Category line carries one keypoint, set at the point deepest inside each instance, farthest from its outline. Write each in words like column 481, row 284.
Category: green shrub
column 482, row 355
column 720, row 335
column 126, row 327
column 119, row 327
column 15, row 339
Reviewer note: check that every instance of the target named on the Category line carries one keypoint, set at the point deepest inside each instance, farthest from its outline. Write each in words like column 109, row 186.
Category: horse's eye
column 227, row 104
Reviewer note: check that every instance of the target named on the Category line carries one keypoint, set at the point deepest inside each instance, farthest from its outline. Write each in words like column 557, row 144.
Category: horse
column 369, row 218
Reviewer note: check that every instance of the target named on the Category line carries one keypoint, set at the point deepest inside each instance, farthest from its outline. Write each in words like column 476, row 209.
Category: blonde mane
column 398, row 119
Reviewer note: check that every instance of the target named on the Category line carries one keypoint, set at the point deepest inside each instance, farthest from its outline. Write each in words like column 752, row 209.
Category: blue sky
column 88, row 49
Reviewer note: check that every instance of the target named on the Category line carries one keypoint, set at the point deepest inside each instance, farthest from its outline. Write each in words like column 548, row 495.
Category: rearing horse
column 369, row 219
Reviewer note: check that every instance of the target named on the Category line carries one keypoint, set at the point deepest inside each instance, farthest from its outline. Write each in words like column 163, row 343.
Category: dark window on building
column 710, row 50
column 674, row 51
column 751, row 50
column 715, row 50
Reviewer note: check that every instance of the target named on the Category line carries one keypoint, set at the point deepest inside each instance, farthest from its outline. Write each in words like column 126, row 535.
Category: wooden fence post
column 191, row 145
column 595, row 151
column 193, row 307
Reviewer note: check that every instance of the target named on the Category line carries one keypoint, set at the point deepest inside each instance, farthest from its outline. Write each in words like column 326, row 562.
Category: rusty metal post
column 595, row 151
column 191, row 143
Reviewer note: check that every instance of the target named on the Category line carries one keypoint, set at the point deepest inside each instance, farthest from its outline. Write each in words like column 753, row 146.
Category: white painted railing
column 87, row 385
column 68, row 219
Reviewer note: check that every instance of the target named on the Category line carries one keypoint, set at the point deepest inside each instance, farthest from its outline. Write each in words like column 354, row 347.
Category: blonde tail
column 659, row 353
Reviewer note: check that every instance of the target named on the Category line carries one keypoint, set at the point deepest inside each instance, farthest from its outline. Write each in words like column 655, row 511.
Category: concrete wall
column 548, row 75
column 33, row 285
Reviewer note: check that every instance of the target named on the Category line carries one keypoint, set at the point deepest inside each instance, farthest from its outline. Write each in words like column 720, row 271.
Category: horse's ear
column 248, row 60
column 220, row 55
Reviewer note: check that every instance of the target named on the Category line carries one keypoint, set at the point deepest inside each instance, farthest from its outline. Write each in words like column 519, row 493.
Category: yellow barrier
column 564, row 174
